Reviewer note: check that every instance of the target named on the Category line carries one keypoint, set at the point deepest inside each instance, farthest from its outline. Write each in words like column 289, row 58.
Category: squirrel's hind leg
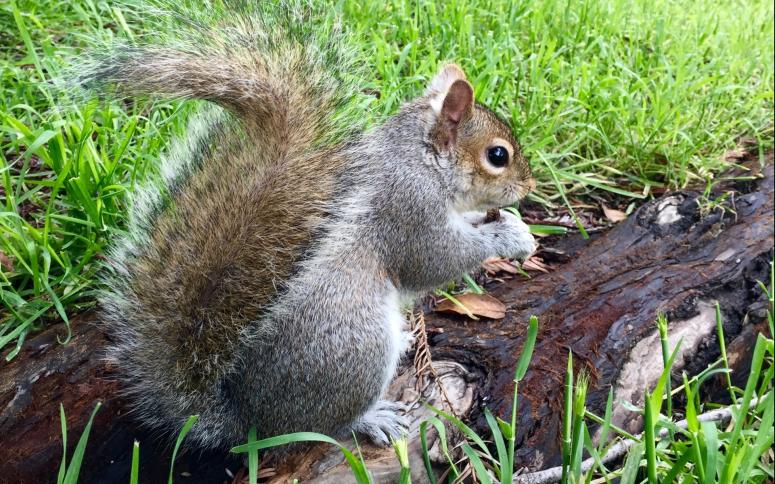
column 383, row 422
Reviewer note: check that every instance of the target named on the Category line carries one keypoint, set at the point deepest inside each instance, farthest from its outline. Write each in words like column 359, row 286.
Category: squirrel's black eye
column 498, row 156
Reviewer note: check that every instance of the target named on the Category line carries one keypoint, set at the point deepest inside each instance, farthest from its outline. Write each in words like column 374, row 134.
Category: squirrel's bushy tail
column 210, row 241
column 282, row 68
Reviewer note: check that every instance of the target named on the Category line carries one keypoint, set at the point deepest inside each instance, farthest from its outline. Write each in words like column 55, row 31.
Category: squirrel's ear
column 456, row 105
column 439, row 85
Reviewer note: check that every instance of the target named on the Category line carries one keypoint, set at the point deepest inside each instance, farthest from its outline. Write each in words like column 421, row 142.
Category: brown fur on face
column 468, row 130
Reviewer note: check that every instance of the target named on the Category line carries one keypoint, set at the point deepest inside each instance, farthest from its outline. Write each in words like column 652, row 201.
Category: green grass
column 610, row 95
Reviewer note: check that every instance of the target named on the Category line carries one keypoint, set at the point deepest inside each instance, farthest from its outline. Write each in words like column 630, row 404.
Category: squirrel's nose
column 531, row 184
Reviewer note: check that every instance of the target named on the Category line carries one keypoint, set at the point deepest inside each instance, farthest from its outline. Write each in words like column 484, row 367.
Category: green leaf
column 182, row 435
column 63, row 464
column 603, row 439
column 547, row 229
column 741, row 412
column 567, row 419
column 505, row 428
column 467, row 431
column 134, row 475
column 475, row 288
column 710, row 436
column 632, row 464
column 75, row 464
column 252, row 458
column 723, row 347
column 481, row 473
column 527, row 349
column 401, row 448
column 679, row 466
column 506, row 469
column 691, row 412
column 659, row 389
column 424, row 447
column 439, row 426
column 360, row 473
column 649, row 437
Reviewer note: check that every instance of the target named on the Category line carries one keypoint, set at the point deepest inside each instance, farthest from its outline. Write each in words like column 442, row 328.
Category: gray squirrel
column 260, row 282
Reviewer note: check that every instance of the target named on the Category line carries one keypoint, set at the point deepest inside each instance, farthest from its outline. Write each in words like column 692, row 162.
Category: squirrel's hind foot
column 383, row 422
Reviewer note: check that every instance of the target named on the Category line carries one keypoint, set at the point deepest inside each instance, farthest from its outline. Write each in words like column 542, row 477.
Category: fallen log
column 600, row 301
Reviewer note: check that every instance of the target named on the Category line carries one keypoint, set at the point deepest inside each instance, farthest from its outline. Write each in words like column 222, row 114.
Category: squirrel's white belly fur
column 395, row 324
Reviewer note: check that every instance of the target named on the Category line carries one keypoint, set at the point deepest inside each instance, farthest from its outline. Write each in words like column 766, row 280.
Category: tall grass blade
column 723, row 347
column 252, row 458
column 481, row 473
column 649, row 437
column 401, row 448
column 567, row 419
column 632, row 464
column 134, row 473
column 74, row 469
column 182, row 435
column 360, row 473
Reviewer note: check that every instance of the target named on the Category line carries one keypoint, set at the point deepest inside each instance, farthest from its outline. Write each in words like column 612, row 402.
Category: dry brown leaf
column 614, row 215
column 6, row 262
column 734, row 155
column 535, row 264
column 494, row 265
column 476, row 304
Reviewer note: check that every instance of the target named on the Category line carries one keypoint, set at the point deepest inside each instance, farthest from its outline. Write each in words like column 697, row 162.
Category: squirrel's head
column 489, row 166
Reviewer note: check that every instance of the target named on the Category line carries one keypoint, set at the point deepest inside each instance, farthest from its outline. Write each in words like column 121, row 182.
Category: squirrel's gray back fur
column 260, row 283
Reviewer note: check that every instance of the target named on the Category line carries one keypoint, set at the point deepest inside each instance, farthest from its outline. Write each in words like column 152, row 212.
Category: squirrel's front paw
column 382, row 423
column 511, row 236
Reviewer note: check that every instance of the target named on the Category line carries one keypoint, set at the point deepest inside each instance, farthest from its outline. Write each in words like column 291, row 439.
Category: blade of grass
column 578, row 426
column 632, row 464
column 74, row 469
column 425, row 457
column 506, row 471
column 567, row 419
column 606, row 425
column 134, row 474
column 649, row 437
column 710, row 437
column 519, row 374
column 252, row 458
column 662, row 328
column 723, row 347
column 360, row 473
column 182, row 435
column 401, row 448
column 63, row 464
column 481, row 473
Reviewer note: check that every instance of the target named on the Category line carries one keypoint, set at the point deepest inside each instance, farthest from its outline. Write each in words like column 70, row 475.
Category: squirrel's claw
column 383, row 422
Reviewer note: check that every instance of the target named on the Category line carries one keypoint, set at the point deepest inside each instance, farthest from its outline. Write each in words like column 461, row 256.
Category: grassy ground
column 609, row 95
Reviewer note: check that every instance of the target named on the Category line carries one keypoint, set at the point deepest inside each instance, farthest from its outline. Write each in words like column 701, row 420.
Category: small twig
column 620, row 449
